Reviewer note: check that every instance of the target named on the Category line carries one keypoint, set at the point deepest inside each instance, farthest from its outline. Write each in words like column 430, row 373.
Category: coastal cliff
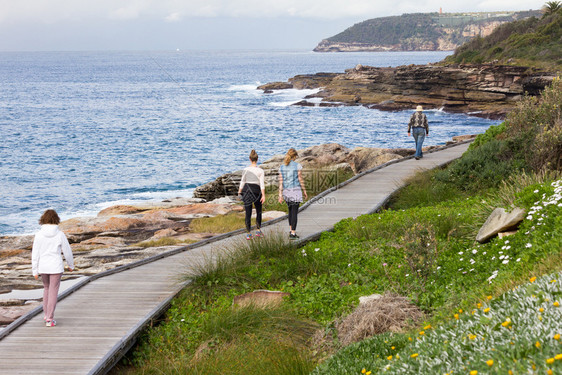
column 419, row 31
column 484, row 90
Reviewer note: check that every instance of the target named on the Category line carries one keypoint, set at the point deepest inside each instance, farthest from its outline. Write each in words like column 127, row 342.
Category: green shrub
column 490, row 134
column 364, row 356
column 483, row 167
column 517, row 333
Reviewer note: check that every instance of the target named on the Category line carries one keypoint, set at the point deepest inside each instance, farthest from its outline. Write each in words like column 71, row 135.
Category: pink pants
column 51, row 283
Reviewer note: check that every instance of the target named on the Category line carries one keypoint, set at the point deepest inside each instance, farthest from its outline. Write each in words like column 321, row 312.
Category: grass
column 325, row 279
column 424, row 253
column 218, row 224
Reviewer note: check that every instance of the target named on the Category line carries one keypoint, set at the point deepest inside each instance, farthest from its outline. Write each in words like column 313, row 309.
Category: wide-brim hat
column 419, row 108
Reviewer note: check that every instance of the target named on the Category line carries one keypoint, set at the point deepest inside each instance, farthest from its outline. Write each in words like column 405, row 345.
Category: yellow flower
column 550, row 361
column 489, row 297
column 541, row 309
column 540, row 318
column 414, row 355
column 393, row 347
column 510, row 372
column 456, row 316
column 549, row 372
column 490, row 362
column 422, row 333
column 557, row 336
column 479, row 305
column 556, row 304
column 472, row 337
column 460, row 311
column 538, row 344
column 553, row 281
column 505, row 324
column 409, row 339
column 558, row 356
column 363, row 371
column 532, row 279
column 427, row 327
column 473, row 372
column 487, row 310
column 368, row 373
column 389, row 358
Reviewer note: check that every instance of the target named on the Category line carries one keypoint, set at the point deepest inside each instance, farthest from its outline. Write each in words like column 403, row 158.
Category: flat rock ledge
column 485, row 90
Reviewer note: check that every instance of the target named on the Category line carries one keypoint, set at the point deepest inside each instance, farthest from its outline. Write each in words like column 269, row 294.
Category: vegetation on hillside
column 530, row 42
column 390, row 30
column 411, row 31
column 421, row 248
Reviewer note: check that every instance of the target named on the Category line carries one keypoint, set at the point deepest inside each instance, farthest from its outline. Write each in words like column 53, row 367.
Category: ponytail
column 291, row 155
column 253, row 156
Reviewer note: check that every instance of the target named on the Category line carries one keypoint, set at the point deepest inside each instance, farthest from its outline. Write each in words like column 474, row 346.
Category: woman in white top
column 252, row 189
column 46, row 260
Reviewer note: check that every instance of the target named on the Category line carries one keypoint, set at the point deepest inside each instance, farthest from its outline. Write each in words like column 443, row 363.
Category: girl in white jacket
column 46, row 260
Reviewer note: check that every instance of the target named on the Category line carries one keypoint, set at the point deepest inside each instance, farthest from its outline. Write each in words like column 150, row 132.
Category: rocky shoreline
column 123, row 234
column 485, row 90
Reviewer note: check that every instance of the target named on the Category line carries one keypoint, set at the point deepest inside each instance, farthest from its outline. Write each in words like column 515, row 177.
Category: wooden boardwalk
column 100, row 318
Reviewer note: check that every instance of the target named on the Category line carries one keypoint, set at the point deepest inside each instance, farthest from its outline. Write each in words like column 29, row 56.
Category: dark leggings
column 293, row 211
column 248, row 209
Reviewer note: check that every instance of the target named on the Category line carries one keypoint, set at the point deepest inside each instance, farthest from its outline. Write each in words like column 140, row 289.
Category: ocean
column 81, row 131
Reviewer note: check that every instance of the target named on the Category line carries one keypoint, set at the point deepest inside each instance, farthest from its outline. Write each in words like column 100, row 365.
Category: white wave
column 290, row 96
column 247, row 87
column 314, row 100
column 159, row 195
column 284, row 104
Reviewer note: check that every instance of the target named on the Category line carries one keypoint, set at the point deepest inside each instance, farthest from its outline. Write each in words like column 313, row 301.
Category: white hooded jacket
column 48, row 245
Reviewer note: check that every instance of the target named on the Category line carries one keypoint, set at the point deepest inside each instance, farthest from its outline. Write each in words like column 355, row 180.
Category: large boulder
column 16, row 242
column 500, row 221
column 365, row 158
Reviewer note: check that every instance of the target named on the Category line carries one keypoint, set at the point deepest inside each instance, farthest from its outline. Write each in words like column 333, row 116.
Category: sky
column 78, row 25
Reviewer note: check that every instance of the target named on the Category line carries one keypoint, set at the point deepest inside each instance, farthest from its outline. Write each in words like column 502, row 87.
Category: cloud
column 125, row 13
column 51, row 11
column 173, row 17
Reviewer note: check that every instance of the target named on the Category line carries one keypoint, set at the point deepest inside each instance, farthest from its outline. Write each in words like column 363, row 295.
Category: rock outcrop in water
column 489, row 91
